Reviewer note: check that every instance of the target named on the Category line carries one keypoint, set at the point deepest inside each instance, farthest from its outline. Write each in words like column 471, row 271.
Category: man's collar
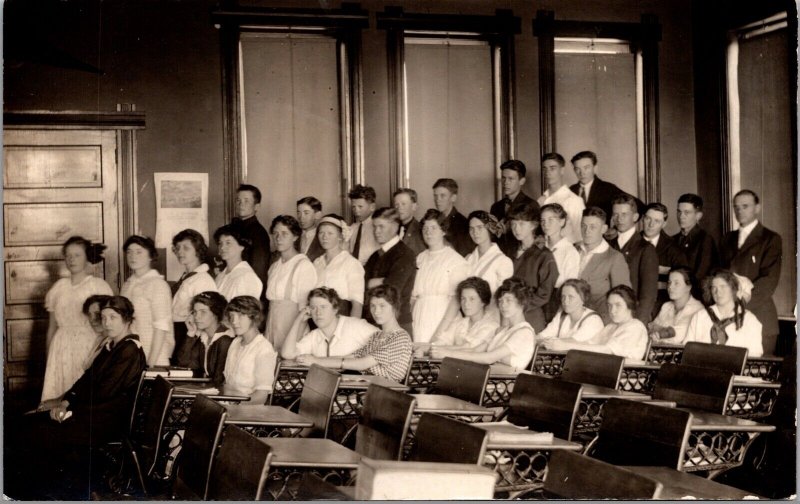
column 624, row 237
column 602, row 247
column 749, row 228
column 391, row 243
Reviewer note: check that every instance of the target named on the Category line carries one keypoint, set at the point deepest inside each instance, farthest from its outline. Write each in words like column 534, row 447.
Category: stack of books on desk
column 197, row 388
column 169, row 372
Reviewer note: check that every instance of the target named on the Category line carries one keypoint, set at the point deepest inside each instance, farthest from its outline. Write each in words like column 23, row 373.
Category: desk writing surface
column 224, row 392
column 678, row 484
column 447, row 405
column 591, row 391
column 311, row 452
column 259, row 414
column 707, row 421
column 556, row 444
column 364, row 381
column 754, row 382
column 504, row 371
column 291, row 365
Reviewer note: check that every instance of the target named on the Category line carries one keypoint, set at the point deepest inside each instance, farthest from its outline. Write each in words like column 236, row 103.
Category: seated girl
column 476, row 327
column 512, row 344
column 336, row 335
column 387, row 353
column 726, row 322
column 205, row 348
column 573, row 320
column 673, row 318
column 625, row 336
column 251, row 360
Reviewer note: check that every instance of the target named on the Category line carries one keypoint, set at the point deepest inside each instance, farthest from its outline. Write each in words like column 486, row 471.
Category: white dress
column 748, row 336
column 152, row 305
column 288, row 285
column 494, row 266
column 344, row 274
column 74, row 339
column 240, row 281
column 201, row 281
column 438, row 275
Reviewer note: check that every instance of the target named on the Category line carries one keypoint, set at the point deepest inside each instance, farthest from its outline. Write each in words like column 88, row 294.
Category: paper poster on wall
column 181, row 203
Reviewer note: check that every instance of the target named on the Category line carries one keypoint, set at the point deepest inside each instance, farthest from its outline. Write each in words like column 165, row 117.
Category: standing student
column 405, row 202
column 699, row 247
column 554, row 220
column 337, row 269
column 558, row 192
column 309, row 212
column 592, row 189
column 238, row 277
column 669, row 254
column 487, row 261
column 248, row 201
column 512, row 177
column 754, row 251
column 641, row 257
column 445, row 194
column 601, row 266
column 392, row 264
column 362, row 238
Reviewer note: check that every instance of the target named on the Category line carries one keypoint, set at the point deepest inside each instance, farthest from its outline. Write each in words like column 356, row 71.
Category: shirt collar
column 561, row 189
column 562, row 243
column 203, row 268
column 597, row 250
column 391, row 243
column 624, row 238
column 746, row 230
column 653, row 241
column 587, row 187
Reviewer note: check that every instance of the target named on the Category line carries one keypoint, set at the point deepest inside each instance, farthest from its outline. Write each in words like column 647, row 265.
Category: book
column 197, row 388
column 506, row 432
column 169, row 372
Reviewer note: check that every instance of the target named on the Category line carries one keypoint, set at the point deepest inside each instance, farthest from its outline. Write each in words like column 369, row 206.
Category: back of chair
column 316, row 399
column 150, row 440
column 240, row 470
column 639, row 434
column 694, row 387
column 574, row 476
column 545, row 404
column 206, row 421
column 384, row 423
column 442, row 439
column 723, row 357
column 463, row 379
column 595, row 368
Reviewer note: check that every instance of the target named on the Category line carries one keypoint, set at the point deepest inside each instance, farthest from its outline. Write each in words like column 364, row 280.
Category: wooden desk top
column 362, row 382
column 749, row 381
column 225, row 392
column 291, row 365
column 556, row 444
column 447, row 405
column 706, row 421
column 311, row 452
column 259, row 414
column 502, row 371
column 678, row 484
column 596, row 392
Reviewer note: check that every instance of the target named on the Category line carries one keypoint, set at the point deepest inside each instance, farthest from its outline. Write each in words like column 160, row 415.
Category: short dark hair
column 745, row 192
column 587, row 154
column 366, row 193
column 479, row 285
column 387, row 213
column 627, row 294
column 405, row 190
column 94, row 251
column 288, row 221
column 695, row 200
column 144, row 242
column 514, row 165
column 95, row 298
column 687, row 274
column 625, row 199
column 658, row 207
column 326, row 293
column 389, row 293
column 253, row 189
column 580, row 285
column 121, row 305
column 517, row 288
column 215, row 301
column 448, row 183
column 528, row 212
column 248, row 306
column 197, row 241
column 439, row 217
column 236, row 234
column 311, row 201
column 554, row 156
column 594, row 211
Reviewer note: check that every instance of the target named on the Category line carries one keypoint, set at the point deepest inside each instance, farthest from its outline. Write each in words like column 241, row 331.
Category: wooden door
column 56, row 184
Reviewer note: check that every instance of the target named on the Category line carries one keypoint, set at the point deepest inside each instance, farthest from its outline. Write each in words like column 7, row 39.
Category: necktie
column 506, row 205
column 381, row 252
column 357, row 247
column 582, row 194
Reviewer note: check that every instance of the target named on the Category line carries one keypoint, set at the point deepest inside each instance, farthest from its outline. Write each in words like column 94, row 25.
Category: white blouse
column 749, row 336
column 568, row 260
column 518, row 338
column 628, row 339
column 152, row 300
column 250, row 367
column 344, row 274
column 460, row 333
column 494, row 266
column 350, row 335
column 240, row 281
column 678, row 320
column 201, row 281
column 303, row 277
column 572, row 204
column 588, row 326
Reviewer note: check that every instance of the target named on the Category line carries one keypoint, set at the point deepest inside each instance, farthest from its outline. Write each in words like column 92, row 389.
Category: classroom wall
column 164, row 57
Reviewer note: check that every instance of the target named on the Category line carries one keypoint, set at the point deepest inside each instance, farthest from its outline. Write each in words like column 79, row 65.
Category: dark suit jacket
column 642, row 262
column 507, row 243
column 759, row 259
column 398, row 267
column 412, row 236
column 669, row 256
column 314, row 250
column 602, row 194
column 538, row 268
column 458, row 233
column 702, row 255
column 259, row 254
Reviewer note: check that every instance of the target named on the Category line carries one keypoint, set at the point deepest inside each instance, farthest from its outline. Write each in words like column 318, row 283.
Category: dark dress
column 508, row 243
column 192, row 354
column 538, row 268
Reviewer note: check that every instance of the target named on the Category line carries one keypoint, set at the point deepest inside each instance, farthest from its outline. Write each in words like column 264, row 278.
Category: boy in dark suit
column 755, row 252
column 512, row 176
column 309, row 212
column 697, row 246
column 445, row 194
column 405, row 202
column 594, row 191
column 669, row 255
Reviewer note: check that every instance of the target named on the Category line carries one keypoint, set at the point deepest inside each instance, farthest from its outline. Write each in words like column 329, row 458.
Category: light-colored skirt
column 280, row 318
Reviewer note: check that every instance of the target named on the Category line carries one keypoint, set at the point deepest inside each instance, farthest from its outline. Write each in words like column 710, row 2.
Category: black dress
column 192, row 354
